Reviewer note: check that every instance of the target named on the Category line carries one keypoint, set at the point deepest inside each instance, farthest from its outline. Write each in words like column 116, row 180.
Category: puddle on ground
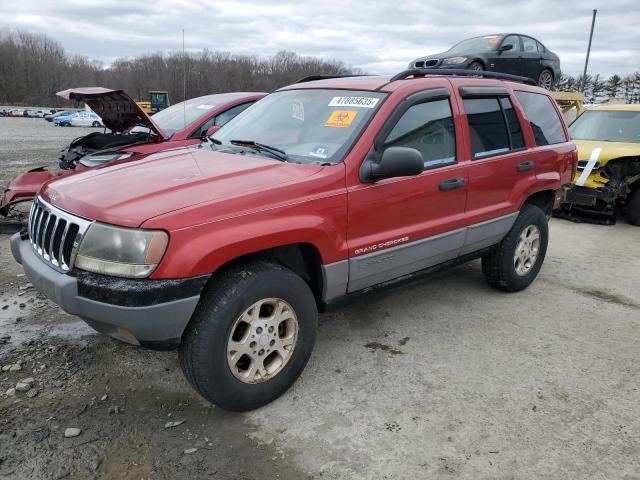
column 17, row 327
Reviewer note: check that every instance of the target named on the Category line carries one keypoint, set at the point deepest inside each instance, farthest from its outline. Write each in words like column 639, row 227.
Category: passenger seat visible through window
column 427, row 127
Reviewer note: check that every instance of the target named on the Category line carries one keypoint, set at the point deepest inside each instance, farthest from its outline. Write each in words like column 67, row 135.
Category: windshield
column 607, row 125
column 309, row 125
column 487, row 43
column 179, row 116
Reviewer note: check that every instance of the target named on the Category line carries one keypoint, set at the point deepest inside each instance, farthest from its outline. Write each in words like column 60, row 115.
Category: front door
column 401, row 225
column 509, row 61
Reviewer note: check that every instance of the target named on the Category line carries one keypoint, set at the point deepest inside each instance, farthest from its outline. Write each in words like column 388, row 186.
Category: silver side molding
column 363, row 271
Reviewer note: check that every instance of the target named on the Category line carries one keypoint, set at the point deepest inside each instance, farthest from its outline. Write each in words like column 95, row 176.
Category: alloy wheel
column 545, row 80
column 262, row 340
column 527, row 250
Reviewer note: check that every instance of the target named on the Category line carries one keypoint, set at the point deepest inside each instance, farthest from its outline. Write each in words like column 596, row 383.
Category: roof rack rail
column 312, row 78
column 418, row 72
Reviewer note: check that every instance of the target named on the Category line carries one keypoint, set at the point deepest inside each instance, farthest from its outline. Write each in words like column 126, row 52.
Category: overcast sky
column 377, row 36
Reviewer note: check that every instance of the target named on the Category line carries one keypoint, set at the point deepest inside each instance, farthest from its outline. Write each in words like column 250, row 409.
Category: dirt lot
column 442, row 378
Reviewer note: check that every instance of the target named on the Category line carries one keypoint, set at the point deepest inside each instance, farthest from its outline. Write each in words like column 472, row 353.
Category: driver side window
column 513, row 40
column 428, row 127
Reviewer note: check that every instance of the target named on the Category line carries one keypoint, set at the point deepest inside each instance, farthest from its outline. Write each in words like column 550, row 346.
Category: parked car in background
column 50, row 116
column 34, row 113
column 86, row 119
column 64, row 120
column 608, row 176
column 511, row 53
column 323, row 190
column 133, row 134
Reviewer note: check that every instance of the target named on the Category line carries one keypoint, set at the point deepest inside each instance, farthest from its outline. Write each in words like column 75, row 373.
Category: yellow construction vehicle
column 158, row 100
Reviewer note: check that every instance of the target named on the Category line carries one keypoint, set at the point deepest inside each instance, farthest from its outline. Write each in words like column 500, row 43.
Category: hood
column 130, row 193
column 610, row 150
column 442, row 56
column 117, row 110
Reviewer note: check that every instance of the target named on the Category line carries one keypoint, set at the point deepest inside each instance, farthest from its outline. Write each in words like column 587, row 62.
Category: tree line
column 599, row 89
column 34, row 67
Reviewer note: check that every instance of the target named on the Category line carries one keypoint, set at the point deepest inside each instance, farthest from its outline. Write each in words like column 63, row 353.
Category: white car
column 86, row 119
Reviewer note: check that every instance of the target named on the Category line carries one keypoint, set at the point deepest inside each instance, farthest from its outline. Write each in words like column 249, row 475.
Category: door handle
column 451, row 184
column 525, row 166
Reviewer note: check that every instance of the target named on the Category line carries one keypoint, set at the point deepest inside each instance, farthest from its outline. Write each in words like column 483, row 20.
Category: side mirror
column 211, row 130
column 508, row 46
column 395, row 162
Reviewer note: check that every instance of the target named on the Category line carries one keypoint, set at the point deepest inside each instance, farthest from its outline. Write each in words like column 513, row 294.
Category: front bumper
column 152, row 313
column 588, row 197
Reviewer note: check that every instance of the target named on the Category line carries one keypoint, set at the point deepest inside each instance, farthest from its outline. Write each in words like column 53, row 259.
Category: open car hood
column 117, row 109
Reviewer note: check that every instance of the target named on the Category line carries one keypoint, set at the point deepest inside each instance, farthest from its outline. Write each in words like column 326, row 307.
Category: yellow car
column 608, row 175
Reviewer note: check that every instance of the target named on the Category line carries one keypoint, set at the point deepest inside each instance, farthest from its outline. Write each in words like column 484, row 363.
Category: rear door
column 401, row 225
column 532, row 65
column 501, row 167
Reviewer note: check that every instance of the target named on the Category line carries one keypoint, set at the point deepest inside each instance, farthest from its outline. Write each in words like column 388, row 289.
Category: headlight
column 121, row 252
column 100, row 158
column 454, row 60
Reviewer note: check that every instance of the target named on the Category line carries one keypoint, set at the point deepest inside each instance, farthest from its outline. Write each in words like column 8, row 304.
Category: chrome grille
column 55, row 234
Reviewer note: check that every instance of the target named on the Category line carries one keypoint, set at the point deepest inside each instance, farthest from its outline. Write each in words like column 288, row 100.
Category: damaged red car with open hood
column 129, row 134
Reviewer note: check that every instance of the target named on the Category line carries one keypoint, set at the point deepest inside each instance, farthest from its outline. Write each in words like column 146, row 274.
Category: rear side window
column 493, row 126
column 544, row 120
column 427, row 127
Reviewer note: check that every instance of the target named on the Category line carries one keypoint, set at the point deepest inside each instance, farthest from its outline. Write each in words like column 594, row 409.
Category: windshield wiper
column 261, row 147
column 212, row 141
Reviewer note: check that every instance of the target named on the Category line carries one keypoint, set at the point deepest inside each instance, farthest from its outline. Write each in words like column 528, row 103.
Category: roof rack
column 312, row 78
column 418, row 72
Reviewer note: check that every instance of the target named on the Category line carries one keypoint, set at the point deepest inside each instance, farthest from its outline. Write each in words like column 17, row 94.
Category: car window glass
column 428, row 127
column 489, row 135
column 314, row 125
column 607, row 125
column 529, row 45
column 220, row 119
column 540, row 47
column 513, row 40
column 515, row 130
column 543, row 117
column 224, row 117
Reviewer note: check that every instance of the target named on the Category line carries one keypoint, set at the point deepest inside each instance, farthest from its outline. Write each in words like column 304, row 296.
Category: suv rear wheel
column 250, row 337
column 518, row 259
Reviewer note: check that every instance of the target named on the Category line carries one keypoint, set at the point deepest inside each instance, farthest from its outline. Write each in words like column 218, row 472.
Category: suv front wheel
column 519, row 256
column 250, row 337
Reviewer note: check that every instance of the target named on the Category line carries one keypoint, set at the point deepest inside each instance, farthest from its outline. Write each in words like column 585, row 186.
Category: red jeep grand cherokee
column 319, row 191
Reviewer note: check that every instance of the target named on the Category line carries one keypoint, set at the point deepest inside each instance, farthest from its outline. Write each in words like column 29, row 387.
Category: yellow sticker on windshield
column 341, row 119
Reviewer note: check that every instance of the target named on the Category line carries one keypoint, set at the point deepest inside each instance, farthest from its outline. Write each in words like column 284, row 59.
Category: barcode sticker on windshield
column 365, row 102
column 205, row 107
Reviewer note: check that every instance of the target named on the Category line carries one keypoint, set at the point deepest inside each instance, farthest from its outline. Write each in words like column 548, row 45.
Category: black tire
column 95, row 124
column 633, row 207
column 475, row 66
column 499, row 268
column 203, row 352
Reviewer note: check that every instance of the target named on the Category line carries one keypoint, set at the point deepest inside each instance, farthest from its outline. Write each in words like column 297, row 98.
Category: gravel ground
column 27, row 143
column 441, row 378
